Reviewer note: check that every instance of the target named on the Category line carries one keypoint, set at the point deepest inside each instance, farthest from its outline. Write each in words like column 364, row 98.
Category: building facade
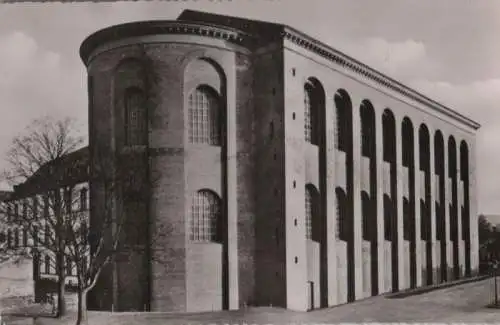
column 30, row 211
column 270, row 169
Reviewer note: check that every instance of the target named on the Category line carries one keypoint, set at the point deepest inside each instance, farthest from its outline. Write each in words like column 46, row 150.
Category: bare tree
column 32, row 159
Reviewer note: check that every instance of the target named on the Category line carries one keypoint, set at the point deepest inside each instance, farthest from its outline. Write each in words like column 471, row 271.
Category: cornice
column 173, row 27
column 365, row 71
column 249, row 40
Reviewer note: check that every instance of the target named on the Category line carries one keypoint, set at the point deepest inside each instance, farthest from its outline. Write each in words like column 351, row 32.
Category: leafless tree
column 34, row 154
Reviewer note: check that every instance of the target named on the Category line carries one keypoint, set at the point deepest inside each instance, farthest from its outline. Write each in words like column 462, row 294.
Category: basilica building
column 264, row 167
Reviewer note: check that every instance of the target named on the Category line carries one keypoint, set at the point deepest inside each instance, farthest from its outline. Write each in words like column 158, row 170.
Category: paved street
column 464, row 303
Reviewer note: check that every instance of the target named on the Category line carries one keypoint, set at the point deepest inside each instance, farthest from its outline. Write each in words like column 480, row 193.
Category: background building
column 28, row 209
column 270, row 169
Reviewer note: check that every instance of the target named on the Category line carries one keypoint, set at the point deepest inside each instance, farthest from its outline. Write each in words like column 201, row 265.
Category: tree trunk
column 82, row 306
column 60, row 254
column 61, row 301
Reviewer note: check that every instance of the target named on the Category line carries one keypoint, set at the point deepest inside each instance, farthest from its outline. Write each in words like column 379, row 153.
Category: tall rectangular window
column 9, row 238
column 83, row 199
column 25, row 237
column 35, row 235
column 68, row 266
column 16, row 237
column 47, row 264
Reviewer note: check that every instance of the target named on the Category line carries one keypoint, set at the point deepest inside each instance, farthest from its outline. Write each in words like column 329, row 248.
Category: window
column 204, row 117
column 205, row 215
column 83, row 199
column 35, row 236
column 47, row 234
column 16, row 238
column 9, row 238
column 9, row 212
column 45, row 206
column 341, row 126
column 84, row 231
column 35, row 207
column 135, row 120
column 309, row 212
column 68, row 266
column 84, row 263
column 308, row 123
column 47, row 264
column 67, row 201
column 313, row 105
column 25, row 237
column 25, row 209
column 16, row 212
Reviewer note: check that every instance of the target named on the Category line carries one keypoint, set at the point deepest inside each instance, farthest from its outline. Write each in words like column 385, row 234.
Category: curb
column 422, row 290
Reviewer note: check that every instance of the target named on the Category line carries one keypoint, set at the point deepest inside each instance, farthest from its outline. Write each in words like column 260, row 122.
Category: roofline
column 150, row 27
column 141, row 28
column 312, row 44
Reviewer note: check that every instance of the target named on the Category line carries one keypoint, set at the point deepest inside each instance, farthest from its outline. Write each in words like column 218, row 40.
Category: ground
column 462, row 303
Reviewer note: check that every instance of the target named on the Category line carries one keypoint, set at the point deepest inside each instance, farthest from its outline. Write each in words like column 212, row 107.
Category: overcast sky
column 448, row 50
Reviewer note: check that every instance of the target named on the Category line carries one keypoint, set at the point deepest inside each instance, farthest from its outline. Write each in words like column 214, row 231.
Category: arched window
column 204, row 116
column 308, row 118
column 313, row 107
column 309, row 212
column 135, row 119
column 344, row 120
column 205, row 216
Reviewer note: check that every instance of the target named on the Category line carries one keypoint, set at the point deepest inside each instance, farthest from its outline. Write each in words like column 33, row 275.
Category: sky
column 447, row 49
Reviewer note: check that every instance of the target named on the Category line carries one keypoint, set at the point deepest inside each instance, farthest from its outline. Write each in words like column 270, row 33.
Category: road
column 462, row 303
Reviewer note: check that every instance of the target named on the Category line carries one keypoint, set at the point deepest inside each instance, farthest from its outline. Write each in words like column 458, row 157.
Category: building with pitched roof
column 28, row 210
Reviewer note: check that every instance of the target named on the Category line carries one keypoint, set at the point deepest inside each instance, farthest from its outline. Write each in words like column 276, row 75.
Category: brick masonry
column 260, row 172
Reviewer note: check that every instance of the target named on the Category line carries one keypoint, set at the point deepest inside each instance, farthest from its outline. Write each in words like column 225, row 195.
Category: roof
column 5, row 195
column 252, row 33
column 71, row 168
